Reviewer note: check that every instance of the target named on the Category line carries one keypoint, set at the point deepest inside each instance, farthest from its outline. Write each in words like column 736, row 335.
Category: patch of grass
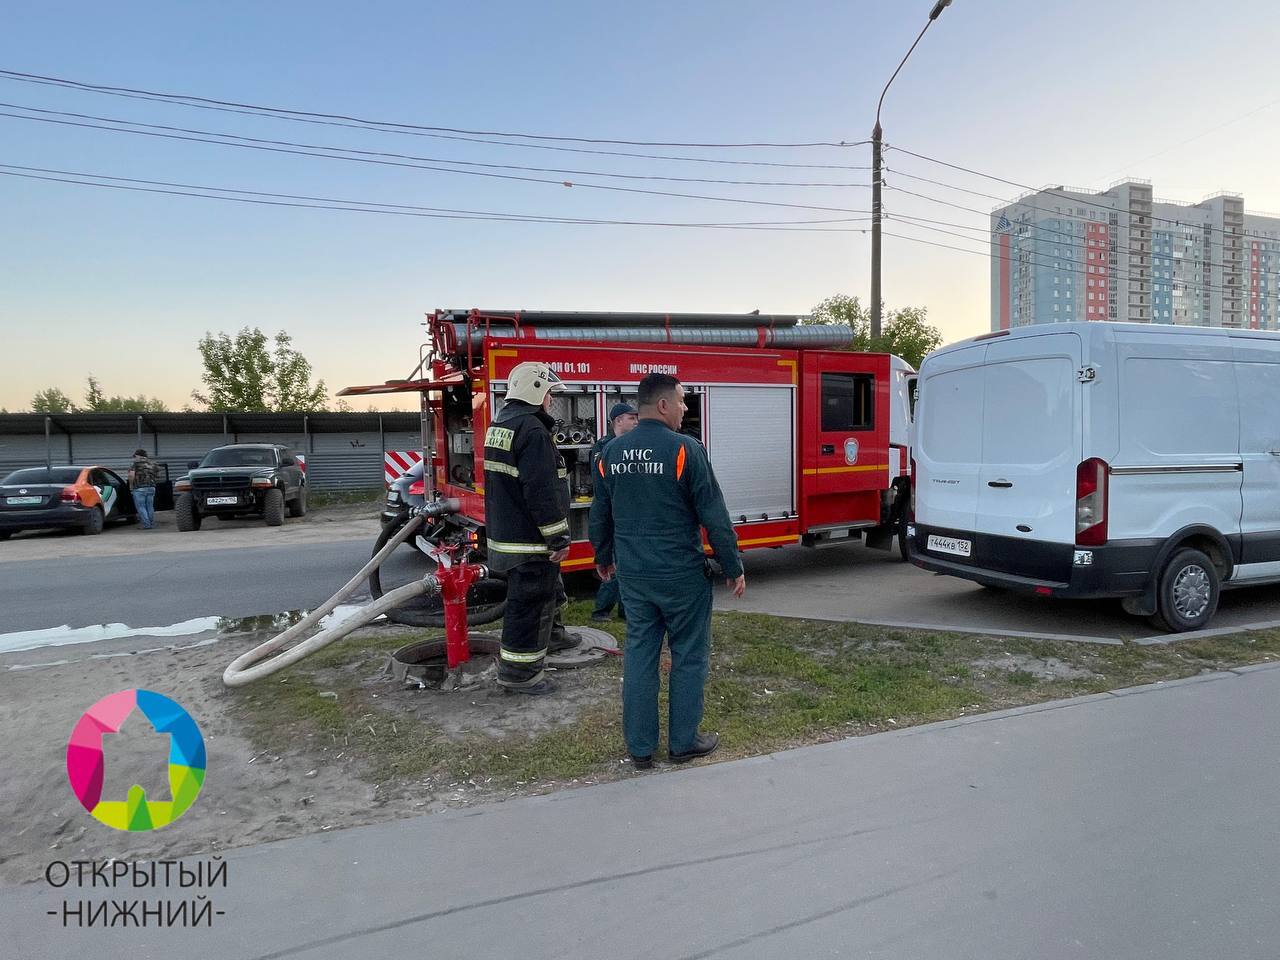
column 773, row 683
column 374, row 496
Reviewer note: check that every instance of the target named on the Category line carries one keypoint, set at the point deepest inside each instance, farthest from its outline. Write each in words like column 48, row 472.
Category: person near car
column 526, row 503
column 143, row 476
column 654, row 493
column 622, row 418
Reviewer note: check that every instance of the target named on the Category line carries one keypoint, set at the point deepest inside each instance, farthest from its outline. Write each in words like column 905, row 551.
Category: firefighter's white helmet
column 530, row 382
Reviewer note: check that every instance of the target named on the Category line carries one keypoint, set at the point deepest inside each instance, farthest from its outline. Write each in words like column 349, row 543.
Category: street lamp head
column 938, row 8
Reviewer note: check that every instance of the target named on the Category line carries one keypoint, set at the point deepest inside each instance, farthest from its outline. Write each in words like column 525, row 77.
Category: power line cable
column 193, row 100
column 1057, row 193
column 362, row 206
column 436, row 169
column 405, row 156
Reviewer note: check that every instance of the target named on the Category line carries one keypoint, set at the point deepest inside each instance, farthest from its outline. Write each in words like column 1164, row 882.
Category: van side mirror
column 192, row 464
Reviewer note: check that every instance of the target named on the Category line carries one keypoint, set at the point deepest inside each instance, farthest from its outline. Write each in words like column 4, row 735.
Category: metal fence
column 343, row 451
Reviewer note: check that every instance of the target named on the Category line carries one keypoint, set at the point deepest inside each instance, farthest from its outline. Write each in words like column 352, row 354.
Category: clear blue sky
column 122, row 285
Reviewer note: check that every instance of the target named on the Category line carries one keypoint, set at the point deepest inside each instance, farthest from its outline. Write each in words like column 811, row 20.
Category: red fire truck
column 809, row 443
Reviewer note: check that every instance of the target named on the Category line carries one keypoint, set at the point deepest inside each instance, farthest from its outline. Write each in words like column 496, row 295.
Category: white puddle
column 61, row 636
column 64, row 635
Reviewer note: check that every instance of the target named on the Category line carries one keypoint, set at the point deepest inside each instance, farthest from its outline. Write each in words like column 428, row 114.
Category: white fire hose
column 255, row 664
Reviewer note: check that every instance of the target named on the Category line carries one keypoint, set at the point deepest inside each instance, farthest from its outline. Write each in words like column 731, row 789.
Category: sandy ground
column 249, row 796
column 320, row 525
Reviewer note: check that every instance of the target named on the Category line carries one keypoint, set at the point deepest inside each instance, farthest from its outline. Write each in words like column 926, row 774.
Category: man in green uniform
column 526, row 504
column 654, row 492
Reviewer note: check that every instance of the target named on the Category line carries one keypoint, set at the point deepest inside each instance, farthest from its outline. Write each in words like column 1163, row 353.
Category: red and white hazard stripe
column 396, row 463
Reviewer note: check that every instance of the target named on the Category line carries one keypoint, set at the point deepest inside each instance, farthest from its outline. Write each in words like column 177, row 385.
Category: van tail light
column 418, row 489
column 1091, row 503
column 70, row 495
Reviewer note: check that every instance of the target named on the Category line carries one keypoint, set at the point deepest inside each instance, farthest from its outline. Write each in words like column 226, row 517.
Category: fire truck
column 808, row 442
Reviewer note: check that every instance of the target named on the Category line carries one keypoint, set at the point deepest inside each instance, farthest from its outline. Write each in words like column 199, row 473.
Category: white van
column 1102, row 460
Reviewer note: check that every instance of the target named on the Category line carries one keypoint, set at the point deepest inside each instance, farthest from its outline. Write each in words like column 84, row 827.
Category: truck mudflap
column 1116, row 569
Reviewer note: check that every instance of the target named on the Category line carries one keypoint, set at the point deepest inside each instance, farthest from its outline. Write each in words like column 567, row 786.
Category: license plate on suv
column 221, row 501
column 952, row 545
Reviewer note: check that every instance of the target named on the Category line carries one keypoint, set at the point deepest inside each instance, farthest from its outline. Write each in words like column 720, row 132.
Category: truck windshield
column 243, row 457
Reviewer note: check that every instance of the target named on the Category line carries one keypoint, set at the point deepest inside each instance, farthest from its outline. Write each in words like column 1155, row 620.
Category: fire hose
column 272, row 656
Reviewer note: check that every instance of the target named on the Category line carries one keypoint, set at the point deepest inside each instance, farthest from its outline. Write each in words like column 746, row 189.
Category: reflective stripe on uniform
column 560, row 526
column 497, row 467
column 502, row 547
column 562, row 474
column 514, row 657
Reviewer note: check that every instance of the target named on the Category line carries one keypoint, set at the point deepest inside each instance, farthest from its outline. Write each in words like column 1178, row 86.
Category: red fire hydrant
column 455, row 580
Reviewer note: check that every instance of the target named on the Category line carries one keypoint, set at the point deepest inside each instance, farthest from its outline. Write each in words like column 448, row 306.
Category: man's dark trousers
column 680, row 610
column 526, row 623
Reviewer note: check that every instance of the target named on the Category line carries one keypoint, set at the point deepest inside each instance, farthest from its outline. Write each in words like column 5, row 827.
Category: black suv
column 242, row 479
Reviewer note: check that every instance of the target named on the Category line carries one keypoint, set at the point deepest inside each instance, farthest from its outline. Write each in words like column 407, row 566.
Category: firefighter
column 526, row 503
column 654, row 491
column 622, row 419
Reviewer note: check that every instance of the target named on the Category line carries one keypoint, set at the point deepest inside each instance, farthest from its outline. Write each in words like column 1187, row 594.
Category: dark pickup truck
column 239, row 480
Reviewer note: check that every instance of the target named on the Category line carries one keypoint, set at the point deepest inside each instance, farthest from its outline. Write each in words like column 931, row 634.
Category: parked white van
column 1102, row 460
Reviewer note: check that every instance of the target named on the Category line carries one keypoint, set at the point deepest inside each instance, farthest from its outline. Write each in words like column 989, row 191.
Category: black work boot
column 541, row 688
column 561, row 639
column 642, row 763
column 704, row 745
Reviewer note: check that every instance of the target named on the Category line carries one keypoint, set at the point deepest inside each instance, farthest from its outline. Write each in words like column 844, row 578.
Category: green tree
column 245, row 373
column 52, row 400
column 904, row 332
column 95, row 401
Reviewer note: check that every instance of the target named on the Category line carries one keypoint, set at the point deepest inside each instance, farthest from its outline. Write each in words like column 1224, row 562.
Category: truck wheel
column 1188, row 592
column 904, row 520
column 273, row 508
column 186, row 514
column 97, row 520
column 298, row 505
column 6, row 534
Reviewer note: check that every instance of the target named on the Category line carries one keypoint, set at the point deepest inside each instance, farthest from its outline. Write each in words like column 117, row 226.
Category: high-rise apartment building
column 1064, row 254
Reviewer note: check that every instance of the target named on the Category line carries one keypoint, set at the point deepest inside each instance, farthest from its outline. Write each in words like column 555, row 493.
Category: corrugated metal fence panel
column 112, row 450
column 176, row 449
column 349, row 470
column 750, row 444
column 29, row 450
column 342, row 443
column 294, row 441
column 404, row 441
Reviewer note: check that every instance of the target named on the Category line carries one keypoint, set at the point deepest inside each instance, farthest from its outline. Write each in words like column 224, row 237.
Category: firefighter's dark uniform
column 526, row 504
column 654, row 490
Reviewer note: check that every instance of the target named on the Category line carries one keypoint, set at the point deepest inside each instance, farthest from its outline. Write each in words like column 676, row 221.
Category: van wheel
column 1187, row 595
column 273, row 507
column 186, row 514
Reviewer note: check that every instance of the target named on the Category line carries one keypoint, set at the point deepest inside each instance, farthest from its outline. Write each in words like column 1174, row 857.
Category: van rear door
column 1032, row 438
column 948, row 438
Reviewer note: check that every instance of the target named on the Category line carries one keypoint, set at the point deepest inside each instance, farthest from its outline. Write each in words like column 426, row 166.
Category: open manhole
column 423, row 664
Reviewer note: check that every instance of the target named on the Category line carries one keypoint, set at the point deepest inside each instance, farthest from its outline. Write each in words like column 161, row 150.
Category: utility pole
column 877, row 175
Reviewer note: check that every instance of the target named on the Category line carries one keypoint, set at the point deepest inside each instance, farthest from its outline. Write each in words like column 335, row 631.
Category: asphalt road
column 145, row 589
column 1132, row 826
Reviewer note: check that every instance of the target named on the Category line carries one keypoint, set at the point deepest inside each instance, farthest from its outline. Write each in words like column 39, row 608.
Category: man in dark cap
column 622, row 418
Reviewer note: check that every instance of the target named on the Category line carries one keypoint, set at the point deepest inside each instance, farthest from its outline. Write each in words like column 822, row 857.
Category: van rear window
column 848, row 401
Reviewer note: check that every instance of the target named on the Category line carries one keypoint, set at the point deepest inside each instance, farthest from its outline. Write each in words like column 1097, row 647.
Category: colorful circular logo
column 85, row 761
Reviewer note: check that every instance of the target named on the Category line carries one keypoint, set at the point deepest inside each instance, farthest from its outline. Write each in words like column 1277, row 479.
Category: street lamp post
column 877, row 145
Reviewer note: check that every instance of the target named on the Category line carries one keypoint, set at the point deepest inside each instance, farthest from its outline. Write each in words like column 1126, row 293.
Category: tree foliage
column 51, row 400
column 95, row 401
column 249, row 372
column 904, row 332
